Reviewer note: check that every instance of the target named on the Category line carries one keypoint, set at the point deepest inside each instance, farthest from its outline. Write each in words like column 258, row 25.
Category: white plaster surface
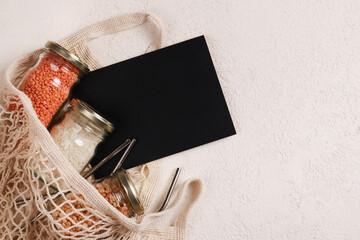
column 290, row 72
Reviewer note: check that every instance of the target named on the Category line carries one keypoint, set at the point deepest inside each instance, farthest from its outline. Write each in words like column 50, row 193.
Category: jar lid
column 130, row 190
column 68, row 56
column 91, row 114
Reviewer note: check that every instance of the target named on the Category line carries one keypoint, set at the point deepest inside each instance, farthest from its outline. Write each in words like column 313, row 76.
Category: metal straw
column 110, row 156
column 124, row 156
column 32, row 220
column 171, row 190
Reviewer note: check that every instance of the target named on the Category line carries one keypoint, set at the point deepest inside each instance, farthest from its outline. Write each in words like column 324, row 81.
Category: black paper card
column 170, row 100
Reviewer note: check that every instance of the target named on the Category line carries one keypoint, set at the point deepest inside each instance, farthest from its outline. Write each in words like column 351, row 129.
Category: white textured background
column 290, row 72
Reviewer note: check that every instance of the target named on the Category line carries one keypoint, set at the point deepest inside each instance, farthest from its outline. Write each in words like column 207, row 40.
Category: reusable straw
column 124, row 156
column 171, row 190
column 110, row 156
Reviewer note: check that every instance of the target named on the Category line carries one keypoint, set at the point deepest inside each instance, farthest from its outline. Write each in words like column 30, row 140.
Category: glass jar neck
column 62, row 61
column 86, row 122
column 123, row 199
column 126, row 206
column 129, row 188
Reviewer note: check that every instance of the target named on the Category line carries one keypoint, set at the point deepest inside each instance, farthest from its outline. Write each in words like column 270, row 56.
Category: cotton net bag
column 32, row 166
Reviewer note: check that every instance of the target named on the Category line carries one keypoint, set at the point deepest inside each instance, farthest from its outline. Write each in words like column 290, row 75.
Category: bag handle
column 77, row 43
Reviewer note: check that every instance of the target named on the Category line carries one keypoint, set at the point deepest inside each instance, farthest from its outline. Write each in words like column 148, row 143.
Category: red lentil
column 119, row 190
column 48, row 83
column 112, row 189
column 108, row 189
column 76, row 213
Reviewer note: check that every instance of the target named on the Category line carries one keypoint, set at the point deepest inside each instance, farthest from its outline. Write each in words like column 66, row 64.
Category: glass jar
column 79, row 132
column 120, row 191
column 48, row 82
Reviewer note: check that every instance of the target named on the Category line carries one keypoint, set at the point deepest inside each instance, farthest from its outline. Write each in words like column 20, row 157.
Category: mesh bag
column 34, row 171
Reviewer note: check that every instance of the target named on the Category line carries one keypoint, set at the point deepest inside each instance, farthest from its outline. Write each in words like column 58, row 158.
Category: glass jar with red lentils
column 49, row 81
column 120, row 191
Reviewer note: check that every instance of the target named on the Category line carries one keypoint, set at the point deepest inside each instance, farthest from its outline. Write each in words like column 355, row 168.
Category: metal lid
column 91, row 114
column 68, row 56
column 130, row 190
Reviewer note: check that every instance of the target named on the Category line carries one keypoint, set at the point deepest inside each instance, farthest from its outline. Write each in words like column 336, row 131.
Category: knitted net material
column 42, row 196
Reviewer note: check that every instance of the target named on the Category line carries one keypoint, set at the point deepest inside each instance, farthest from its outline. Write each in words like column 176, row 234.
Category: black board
column 170, row 100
